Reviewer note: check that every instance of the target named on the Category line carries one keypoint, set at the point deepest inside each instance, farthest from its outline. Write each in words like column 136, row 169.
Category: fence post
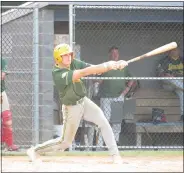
column 71, row 24
column 71, row 36
column 36, row 73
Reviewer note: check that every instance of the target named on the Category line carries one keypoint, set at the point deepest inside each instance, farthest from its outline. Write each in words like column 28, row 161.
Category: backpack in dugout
column 158, row 116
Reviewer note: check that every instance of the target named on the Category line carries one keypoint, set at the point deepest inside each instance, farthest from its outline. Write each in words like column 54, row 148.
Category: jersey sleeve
column 4, row 66
column 62, row 77
column 81, row 64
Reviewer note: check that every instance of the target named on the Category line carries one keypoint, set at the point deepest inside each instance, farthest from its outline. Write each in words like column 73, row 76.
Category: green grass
column 105, row 153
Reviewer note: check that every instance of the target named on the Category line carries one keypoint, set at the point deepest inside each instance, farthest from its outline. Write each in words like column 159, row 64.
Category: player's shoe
column 12, row 148
column 116, row 159
column 33, row 156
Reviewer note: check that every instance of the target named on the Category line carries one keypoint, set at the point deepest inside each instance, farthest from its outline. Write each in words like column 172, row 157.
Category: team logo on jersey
column 175, row 67
column 64, row 75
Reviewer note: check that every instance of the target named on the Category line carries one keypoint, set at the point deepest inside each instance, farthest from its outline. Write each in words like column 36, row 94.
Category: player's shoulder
column 56, row 70
column 77, row 62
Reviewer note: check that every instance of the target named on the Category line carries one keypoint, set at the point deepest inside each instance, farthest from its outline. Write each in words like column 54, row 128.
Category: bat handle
column 129, row 61
column 136, row 58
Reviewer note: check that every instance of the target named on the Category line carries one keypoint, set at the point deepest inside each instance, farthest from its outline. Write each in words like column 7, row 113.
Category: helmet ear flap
column 59, row 59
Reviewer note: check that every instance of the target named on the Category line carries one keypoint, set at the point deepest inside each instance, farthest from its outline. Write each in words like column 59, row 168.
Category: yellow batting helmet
column 61, row 49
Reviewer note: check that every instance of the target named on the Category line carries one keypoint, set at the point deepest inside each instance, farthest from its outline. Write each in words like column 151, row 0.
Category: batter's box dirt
column 93, row 164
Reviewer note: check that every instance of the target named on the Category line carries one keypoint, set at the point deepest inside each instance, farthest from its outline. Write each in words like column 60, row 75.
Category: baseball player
column 172, row 66
column 6, row 115
column 67, row 74
column 113, row 91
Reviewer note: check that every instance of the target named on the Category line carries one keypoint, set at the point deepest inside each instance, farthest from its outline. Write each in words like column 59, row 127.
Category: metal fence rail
column 20, row 50
column 134, row 30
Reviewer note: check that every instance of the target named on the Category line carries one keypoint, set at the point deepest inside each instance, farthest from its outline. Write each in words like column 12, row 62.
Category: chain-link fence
column 134, row 31
column 150, row 116
column 20, row 51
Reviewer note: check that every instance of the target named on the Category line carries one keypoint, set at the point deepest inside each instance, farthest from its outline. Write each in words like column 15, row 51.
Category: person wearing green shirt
column 6, row 115
column 113, row 91
column 67, row 74
column 172, row 66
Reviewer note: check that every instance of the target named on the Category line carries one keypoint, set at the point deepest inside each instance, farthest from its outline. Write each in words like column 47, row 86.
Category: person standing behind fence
column 6, row 115
column 113, row 91
column 172, row 66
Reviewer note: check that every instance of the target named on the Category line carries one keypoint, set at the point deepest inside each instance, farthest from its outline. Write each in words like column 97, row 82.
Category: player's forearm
column 129, row 85
column 104, row 67
column 96, row 69
column 91, row 70
column 99, row 69
column 125, row 91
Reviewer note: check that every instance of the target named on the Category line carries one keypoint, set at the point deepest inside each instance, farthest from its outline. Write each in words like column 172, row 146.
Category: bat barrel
column 154, row 52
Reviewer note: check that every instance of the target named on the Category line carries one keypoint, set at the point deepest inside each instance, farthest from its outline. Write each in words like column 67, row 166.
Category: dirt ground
column 93, row 164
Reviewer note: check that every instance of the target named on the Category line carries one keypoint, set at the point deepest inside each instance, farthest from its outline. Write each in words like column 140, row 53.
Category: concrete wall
column 46, row 45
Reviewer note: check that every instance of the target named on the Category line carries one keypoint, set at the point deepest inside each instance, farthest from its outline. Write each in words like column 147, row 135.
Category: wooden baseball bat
column 154, row 52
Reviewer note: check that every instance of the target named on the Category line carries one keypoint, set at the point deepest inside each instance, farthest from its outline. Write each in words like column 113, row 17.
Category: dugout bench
column 169, row 127
column 138, row 113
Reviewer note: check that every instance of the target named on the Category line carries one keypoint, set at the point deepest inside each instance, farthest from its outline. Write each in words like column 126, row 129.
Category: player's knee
column 103, row 123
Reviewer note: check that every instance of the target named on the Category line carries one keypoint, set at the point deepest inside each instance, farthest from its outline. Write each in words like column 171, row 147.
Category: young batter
column 66, row 76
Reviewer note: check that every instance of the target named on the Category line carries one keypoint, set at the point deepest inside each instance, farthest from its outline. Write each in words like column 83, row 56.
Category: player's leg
column 116, row 127
column 106, row 108
column 94, row 114
column 105, row 104
column 71, row 119
column 180, row 95
column 178, row 84
column 7, row 132
column 90, row 137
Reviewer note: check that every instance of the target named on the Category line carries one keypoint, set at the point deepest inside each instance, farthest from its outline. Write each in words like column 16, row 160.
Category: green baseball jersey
column 113, row 87
column 69, row 91
column 3, row 69
column 171, row 66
